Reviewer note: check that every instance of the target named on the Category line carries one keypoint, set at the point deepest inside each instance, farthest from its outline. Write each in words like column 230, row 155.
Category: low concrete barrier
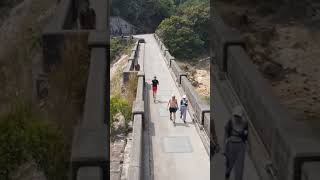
column 289, row 143
column 129, row 68
column 92, row 173
column 136, row 165
column 198, row 105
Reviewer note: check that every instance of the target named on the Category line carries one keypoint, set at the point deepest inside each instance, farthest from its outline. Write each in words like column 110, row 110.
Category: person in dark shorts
column 173, row 107
column 87, row 16
column 236, row 137
column 155, row 84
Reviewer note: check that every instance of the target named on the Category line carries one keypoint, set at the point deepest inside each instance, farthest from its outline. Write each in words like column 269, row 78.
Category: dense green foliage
column 144, row 14
column 121, row 101
column 186, row 34
column 119, row 104
column 26, row 136
column 115, row 47
column 199, row 15
column 177, row 34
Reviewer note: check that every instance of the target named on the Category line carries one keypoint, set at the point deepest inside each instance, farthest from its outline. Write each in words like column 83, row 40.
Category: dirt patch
column 285, row 49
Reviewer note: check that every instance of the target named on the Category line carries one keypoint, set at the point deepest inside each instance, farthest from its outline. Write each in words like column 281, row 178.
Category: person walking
column 87, row 16
column 183, row 108
column 173, row 107
column 155, row 84
column 236, row 135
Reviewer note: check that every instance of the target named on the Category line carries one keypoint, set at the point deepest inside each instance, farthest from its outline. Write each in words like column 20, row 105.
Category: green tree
column 119, row 104
column 177, row 34
column 199, row 15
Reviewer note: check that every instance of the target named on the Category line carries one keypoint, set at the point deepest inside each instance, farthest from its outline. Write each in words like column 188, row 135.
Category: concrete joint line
column 138, row 109
column 225, row 47
column 141, row 74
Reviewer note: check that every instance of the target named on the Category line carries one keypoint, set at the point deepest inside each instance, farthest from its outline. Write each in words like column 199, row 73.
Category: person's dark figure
column 120, row 32
column 236, row 136
column 137, row 67
column 155, row 84
column 244, row 21
column 87, row 17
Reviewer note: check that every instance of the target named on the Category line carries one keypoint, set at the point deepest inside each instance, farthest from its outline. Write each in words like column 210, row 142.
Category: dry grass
column 19, row 42
column 131, row 88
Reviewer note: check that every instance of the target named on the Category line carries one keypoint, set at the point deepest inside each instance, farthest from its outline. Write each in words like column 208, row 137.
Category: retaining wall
column 135, row 171
column 289, row 143
column 132, row 61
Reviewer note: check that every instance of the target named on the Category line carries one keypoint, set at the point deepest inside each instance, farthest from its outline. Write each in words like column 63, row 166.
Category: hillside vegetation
column 283, row 43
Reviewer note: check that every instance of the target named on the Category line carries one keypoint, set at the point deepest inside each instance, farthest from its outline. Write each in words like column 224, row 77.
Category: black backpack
column 241, row 134
column 185, row 103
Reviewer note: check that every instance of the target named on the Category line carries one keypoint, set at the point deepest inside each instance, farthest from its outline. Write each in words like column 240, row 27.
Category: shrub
column 118, row 47
column 122, row 103
column 119, row 104
column 26, row 136
column 199, row 15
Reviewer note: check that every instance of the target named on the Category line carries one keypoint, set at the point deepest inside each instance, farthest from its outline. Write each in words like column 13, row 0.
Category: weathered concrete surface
column 175, row 166
column 289, row 143
column 92, row 173
column 221, row 116
column 311, row 171
column 135, row 166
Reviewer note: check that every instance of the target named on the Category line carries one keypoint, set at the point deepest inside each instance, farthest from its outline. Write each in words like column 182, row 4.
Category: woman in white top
column 183, row 108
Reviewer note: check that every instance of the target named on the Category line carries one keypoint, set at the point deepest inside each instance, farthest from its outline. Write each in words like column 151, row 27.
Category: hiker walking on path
column 87, row 16
column 183, row 108
column 173, row 107
column 155, row 84
column 236, row 134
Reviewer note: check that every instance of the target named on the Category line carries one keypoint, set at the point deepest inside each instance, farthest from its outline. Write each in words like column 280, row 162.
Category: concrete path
column 217, row 163
column 177, row 151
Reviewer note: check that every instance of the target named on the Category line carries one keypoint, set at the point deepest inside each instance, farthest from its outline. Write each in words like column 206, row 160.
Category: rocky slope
column 284, row 48
column 199, row 74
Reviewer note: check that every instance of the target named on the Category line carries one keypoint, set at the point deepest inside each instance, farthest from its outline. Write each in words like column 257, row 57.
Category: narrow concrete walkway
column 177, row 151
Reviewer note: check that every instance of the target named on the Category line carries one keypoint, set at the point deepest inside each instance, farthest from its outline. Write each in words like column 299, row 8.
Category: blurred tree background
column 181, row 24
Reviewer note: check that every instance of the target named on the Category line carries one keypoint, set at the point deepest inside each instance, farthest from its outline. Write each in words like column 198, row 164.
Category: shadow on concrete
column 182, row 124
